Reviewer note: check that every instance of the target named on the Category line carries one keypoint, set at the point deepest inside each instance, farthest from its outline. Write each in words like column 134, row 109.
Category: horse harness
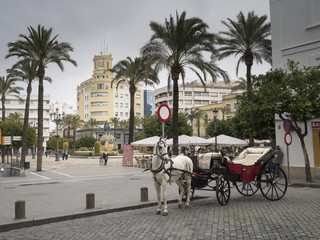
column 162, row 167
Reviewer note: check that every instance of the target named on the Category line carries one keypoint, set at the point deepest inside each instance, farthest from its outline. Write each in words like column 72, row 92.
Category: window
column 116, row 104
column 188, row 93
column 137, row 96
column 121, row 95
column 116, row 114
column 121, row 105
column 138, row 114
column 99, row 113
column 100, row 86
column 127, row 96
column 93, row 104
column 127, row 114
column 138, row 105
column 101, row 63
column 126, row 105
column 116, row 94
column 99, row 94
column 121, row 114
column 118, row 135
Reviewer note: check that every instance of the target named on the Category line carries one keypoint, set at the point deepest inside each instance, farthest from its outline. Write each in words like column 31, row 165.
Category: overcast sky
column 117, row 27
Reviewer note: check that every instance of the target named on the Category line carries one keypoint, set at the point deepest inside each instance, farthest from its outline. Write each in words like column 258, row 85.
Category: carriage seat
column 250, row 156
column 205, row 160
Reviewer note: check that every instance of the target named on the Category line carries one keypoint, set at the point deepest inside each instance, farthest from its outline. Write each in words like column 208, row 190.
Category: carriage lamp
column 57, row 118
column 215, row 114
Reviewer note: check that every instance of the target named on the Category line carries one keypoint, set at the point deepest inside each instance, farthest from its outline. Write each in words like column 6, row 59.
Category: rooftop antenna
column 104, row 45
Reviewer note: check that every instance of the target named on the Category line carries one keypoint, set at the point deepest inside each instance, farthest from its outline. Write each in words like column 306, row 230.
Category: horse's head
column 161, row 150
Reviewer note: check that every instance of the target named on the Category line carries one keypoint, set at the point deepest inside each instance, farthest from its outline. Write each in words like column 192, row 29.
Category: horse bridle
column 161, row 156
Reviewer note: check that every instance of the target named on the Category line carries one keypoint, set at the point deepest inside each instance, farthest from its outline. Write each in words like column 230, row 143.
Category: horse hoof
column 165, row 214
column 158, row 212
column 186, row 206
column 180, row 206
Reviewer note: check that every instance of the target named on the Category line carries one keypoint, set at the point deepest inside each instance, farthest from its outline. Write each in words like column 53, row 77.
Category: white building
column 295, row 31
column 194, row 94
column 13, row 104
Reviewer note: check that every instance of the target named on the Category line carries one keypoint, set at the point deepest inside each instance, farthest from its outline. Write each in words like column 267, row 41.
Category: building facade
column 295, row 30
column 194, row 94
column 148, row 102
column 13, row 105
column 98, row 99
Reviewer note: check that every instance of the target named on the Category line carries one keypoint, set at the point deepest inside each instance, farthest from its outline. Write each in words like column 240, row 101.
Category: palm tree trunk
column 25, row 126
column 41, row 72
column 74, row 138
column 131, row 120
column 249, row 62
column 175, row 117
column 3, row 109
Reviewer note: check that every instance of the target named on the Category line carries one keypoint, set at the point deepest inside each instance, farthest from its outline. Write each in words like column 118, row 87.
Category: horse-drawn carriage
column 250, row 171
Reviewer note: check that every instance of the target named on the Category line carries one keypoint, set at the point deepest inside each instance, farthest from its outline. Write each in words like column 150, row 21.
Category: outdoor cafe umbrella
column 185, row 140
column 227, row 141
column 147, row 142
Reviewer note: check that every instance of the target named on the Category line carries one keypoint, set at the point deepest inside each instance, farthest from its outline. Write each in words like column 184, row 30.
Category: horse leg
column 157, row 186
column 188, row 189
column 182, row 190
column 164, row 194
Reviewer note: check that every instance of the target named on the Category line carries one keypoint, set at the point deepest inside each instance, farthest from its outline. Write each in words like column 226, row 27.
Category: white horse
column 164, row 170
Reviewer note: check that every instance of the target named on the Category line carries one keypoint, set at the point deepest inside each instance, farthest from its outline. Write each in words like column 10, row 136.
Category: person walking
column 105, row 157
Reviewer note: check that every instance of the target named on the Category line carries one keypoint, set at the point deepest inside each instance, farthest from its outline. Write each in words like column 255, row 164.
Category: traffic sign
column 287, row 125
column 288, row 138
column 16, row 138
column 6, row 140
column 164, row 113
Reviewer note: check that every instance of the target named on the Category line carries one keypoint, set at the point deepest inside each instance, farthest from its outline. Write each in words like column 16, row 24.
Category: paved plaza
column 295, row 216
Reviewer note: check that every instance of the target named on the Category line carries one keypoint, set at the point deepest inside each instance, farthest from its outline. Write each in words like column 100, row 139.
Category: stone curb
column 89, row 213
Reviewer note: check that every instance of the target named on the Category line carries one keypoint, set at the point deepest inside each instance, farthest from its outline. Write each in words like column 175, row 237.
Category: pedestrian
column 105, row 157
column 66, row 153
column 46, row 153
column 278, row 156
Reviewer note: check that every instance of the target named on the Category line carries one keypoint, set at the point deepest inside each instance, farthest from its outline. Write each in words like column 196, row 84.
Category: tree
column 26, row 71
column 8, row 86
column 124, row 125
column 134, row 72
column 67, row 122
column 199, row 115
column 293, row 94
column 114, row 121
column 52, row 142
column 152, row 126
column 247, row 38
column 91, row 124
column 178, row 45
column 42, row 48
column 86, row 141
column 15, row 117
column 76, row 122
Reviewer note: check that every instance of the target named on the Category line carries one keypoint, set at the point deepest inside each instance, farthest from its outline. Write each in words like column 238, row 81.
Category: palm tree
column 26, row 71
column 247, row 38
column 67, row 122
column 178, row 45
column 134, row 72
column 124, row 125
column 8, row 86
column 76, row 122
column 114, row 121
column 91, row 124
column 15, row 117
column 43, row 48
column 199, row 115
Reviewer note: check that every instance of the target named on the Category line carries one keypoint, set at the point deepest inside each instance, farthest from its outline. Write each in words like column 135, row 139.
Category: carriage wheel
column 247, row 188
column 271, row 187
column 223, row 191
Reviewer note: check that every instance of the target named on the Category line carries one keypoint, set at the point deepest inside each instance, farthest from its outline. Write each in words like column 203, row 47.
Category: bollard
column 144, row 194
column 20, row 209
column 90, row 200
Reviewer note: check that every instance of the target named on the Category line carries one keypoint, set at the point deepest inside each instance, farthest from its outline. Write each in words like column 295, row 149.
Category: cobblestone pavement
column 296, row 216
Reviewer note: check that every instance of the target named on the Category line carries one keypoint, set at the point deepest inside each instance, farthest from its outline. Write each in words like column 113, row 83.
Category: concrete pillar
column 90, row 200
column 144, row 194
column 20, row 209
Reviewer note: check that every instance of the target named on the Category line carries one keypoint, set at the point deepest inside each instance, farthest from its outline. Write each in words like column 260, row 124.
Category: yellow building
column 226, row 110
column 97, row 99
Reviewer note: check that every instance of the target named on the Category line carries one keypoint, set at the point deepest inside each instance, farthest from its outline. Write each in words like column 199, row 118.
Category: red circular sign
column 288, row 138
column 164, row 113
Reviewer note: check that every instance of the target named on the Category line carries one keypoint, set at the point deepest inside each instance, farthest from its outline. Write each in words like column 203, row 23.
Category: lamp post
column 34, row 147
column 215, row 114
column 57, row 118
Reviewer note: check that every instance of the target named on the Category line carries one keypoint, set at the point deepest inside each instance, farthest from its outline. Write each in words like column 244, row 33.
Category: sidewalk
column 62, row 197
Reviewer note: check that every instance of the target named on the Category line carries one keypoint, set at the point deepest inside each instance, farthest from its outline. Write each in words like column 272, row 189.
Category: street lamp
column 215, row 114
column 34, row 147
column 57, row 118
